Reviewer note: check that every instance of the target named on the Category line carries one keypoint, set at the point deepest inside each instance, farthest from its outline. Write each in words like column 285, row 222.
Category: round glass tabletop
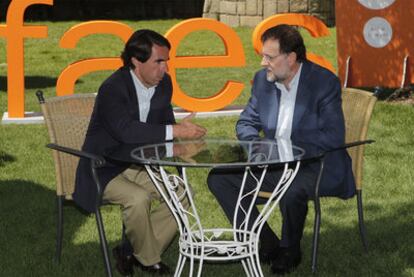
column 215, row 153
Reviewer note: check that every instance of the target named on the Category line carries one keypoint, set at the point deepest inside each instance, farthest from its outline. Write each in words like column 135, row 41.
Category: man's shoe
column 269, row 245
column 286, row 261
column 124, row 263
column 158, row 268
column 268, row 256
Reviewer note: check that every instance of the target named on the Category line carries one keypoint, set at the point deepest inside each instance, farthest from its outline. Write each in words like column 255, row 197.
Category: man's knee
column 139, row 203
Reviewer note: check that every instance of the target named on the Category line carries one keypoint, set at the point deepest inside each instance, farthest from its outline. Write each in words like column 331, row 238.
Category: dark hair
column 290, row 40
column 139, row 46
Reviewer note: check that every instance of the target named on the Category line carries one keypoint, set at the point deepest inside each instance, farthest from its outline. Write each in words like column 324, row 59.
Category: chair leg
column 123, row 236
column 59, row 227
column 361, row 224
column 316, row 228
column 104, row 244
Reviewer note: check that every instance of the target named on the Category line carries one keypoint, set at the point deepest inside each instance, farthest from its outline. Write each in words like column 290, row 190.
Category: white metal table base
column 219, row 244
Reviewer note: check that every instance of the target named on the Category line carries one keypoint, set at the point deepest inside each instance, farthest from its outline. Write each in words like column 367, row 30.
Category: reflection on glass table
column 220, row 153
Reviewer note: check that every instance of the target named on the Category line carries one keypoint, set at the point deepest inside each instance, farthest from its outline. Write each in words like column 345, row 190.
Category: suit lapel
column 132, row 94
column 302, row 97
column 273, row 101
column 157, row 93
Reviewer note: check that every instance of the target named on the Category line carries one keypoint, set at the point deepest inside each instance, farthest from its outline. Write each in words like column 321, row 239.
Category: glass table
column 197, row 243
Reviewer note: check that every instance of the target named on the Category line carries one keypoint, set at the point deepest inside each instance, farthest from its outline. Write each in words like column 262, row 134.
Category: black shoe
column 268, row 256
column 286, row 261
column 124, row 263
column 155, row 269
column 269, row 245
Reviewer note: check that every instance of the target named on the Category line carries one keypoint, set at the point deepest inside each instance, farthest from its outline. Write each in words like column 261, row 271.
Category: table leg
column 252, row 233
column 193, row 238
column 174, row 189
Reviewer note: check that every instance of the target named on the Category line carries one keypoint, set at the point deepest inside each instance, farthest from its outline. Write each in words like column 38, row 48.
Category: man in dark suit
column 133, row 105
column 292, row 98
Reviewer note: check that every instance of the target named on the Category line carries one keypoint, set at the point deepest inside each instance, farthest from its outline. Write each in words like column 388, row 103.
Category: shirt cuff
column 168, row 132
column 169, row 149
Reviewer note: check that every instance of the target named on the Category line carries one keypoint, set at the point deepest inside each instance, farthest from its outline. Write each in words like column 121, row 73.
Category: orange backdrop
column 371, row 66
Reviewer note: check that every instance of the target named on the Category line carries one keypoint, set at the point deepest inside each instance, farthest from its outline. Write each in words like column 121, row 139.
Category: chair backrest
column 67, row 119
column 357, row 106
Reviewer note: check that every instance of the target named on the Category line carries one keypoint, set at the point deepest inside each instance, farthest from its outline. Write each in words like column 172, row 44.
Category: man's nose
column 264, row 62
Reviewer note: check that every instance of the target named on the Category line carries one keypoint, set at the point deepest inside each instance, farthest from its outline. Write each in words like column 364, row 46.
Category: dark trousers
column 225, row 185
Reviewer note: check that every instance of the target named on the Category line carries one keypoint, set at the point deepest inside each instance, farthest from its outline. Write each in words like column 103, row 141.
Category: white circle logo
column 376, row 4
column 377, row 32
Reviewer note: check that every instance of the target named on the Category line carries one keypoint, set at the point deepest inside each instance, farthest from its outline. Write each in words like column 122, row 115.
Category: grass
column 27, row 191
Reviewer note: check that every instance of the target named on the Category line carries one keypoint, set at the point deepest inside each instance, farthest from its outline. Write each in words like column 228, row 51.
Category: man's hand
column 188, row 150
column 188, row 130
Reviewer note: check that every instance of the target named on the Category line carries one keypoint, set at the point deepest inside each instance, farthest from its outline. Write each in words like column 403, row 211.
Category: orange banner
column 375, row 37
column 14, row 31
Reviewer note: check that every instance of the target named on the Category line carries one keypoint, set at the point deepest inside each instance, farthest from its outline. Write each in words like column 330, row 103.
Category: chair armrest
column 98, row 160
column 351, row 144
column 322, row 161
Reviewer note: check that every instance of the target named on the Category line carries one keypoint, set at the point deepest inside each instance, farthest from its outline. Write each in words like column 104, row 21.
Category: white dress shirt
column 287, row 106
column 285, row 118
column 144, row 96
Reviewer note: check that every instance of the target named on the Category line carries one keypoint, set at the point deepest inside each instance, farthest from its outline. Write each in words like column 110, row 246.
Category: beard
column 271, row 77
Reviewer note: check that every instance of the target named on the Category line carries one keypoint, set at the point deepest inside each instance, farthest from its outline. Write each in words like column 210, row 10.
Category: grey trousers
column 149, row 224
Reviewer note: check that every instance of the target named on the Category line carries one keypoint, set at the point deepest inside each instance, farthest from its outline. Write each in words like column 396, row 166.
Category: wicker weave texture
column 67, row 119
column 357, row 106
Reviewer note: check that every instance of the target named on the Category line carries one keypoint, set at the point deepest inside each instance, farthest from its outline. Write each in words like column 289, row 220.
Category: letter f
column 14, row 32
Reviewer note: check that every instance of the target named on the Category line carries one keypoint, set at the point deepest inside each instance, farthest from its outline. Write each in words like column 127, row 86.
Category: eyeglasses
column 268, row 58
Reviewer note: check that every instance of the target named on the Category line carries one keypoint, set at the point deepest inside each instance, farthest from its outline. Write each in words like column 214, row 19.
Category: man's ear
column 292, row 57
column 135, row 62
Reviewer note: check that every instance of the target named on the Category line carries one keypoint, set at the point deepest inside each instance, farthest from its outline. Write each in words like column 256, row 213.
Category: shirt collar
column 138, row 82
column 294, row 80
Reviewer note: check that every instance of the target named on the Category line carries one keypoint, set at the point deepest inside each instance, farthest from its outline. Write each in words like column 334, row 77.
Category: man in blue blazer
column 291, row 98
column 133, row 105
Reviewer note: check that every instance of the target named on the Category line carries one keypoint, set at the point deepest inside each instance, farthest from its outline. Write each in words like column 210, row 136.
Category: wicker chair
column 357, row 106
column 67, row 119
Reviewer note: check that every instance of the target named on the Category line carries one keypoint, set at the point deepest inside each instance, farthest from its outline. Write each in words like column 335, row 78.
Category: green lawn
column 27, row 197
